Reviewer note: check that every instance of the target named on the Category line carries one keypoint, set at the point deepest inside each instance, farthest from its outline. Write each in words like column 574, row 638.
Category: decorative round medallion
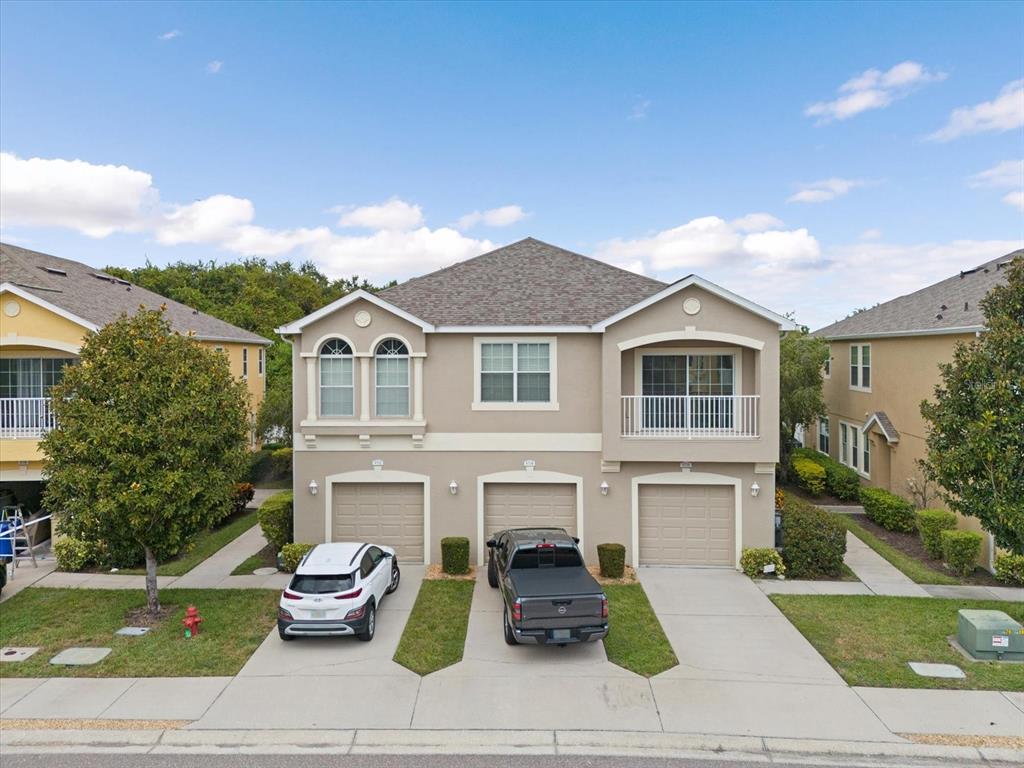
column 12, row 308
column 363, row 318
column 691, row 306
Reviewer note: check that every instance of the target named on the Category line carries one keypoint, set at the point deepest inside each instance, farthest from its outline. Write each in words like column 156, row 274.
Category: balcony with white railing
column 690, row 417
column 25, row 417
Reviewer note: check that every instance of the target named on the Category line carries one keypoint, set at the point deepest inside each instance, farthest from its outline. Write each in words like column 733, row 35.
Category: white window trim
column 865, row 448
column 828, row 435
column 320, row 385
column 551, row 341
column 848, row 461
column 245, row 362
column 860, row 366
column 826, row 372
column 408, row 386
column 262, row 360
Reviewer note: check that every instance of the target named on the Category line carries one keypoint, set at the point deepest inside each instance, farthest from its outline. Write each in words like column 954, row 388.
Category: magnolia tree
column 150, row 439
column 801, row 367
column 976, row 424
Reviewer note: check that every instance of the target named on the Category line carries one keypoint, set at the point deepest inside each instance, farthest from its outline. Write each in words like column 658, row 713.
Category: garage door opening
column 382, row 513
column 687, row 525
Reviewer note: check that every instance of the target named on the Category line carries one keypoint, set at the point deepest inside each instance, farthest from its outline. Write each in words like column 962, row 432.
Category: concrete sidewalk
column 877, row 573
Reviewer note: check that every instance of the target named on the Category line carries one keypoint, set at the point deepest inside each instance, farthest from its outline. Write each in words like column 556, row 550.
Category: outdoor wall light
column 755, row 489
column 313, row 488
column 453, row 487
column 604, row 488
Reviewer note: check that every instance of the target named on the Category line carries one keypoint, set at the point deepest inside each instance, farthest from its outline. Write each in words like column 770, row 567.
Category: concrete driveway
column 360, row 687
column 743, row 668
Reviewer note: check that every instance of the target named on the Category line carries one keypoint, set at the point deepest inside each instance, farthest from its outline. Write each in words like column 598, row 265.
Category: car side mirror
column 576, row 539
column 492, row 543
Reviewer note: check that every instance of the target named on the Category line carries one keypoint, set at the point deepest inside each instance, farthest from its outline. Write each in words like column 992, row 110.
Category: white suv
column 336, row 590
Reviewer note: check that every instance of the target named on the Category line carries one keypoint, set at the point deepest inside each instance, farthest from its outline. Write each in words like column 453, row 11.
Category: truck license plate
column 561, row 634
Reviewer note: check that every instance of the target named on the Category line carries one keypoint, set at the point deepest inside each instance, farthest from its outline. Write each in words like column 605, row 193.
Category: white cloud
column 873, row 89
column 214, row 67
column 871, row 234
column 96, row 200
column 756, row 222
column 1016, row 199
column 171, row 34
column 494, row 217
column 1004, row 113
column 1009, row 173
column 779, row 247
column 640, row 110
column 826, row 189
column 394, row 214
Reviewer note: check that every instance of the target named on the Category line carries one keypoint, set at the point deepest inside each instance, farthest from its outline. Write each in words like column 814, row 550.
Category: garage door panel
column 687, row 525
column 383, row 513
column 523, row 505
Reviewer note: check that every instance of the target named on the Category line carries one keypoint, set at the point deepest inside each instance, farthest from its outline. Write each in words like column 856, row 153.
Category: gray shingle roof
column 951, row 303
column 526, row 283
column 99, row 298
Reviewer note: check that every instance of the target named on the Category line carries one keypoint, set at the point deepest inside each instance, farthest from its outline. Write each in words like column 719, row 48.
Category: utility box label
column 1000, row 641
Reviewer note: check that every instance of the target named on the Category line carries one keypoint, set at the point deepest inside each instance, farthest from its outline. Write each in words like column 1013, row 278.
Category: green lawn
column 870, row 639
column 235, row 622
column 205, row 544
column 265, row 558
column 914, row 569
column 635, row 638
column 435, row 634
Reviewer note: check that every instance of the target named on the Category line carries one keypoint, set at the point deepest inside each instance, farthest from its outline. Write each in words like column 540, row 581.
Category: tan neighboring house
column 883, row 362
column 535, row 386
column 47, row 305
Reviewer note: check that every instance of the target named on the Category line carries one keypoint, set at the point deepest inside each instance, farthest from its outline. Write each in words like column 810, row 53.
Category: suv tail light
column 283, row 614
column 517, row 610
column 349, row 595
column 291, row 595
column 604, row 607
column 356, row 613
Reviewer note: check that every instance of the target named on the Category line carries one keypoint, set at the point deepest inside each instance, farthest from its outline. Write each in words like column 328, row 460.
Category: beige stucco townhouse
column 535, row 386
column 883, row 362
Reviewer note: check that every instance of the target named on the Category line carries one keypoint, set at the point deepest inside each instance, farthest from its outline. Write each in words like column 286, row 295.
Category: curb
column 362, row 742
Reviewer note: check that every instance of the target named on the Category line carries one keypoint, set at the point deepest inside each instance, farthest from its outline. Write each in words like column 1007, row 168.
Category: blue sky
column 813, row 157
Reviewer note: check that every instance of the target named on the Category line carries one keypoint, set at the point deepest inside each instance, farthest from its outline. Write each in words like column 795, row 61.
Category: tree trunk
column 152, row 597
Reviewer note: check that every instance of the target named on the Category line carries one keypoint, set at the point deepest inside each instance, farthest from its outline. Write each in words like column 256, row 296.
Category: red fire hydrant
column 192, row 621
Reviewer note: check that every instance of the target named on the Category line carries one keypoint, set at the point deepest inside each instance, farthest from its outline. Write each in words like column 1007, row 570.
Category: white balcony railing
column 690, row 417
column 25, row 416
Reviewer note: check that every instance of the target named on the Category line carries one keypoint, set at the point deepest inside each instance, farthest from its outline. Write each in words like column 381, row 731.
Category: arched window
column 392, row 364
column 336, row 391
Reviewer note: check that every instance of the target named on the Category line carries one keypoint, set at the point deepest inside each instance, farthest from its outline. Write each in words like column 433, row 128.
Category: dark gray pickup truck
column 549, row 595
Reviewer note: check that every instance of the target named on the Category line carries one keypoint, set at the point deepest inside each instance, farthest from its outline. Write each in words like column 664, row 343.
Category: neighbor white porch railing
column 690, row 416
column 25, row 416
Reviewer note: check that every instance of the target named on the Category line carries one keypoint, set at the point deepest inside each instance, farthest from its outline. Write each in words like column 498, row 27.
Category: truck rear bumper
column 549, row 636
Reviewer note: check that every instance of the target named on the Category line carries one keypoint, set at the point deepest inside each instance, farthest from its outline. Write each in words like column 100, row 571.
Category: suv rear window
column 309, row 584
column 546, row 557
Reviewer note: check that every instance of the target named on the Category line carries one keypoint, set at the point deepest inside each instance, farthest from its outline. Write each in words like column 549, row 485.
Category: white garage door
column 524, row 505
column 687, row 525
column 382, row 513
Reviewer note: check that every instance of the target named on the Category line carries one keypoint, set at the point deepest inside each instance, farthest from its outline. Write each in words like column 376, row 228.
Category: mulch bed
column 141, row 617
column 434, row 573
column 910, row 544
column 628, row 576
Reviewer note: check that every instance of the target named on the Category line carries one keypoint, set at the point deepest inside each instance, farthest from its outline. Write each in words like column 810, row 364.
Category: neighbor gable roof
column 952, row 305
column 92, row 298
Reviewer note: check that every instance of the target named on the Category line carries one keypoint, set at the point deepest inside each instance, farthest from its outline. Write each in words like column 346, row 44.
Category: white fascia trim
column 378, row 476
column 690, row 333
column 34, row 341
column 33, row 299
column 520, row 329
column 873, row 419
column 894, row 334
column 529, row 477
column 784, row 323
column 229, row 340
column 344, row 301
column 685, row 478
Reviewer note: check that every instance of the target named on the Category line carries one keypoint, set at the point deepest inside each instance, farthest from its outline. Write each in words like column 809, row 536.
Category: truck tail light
column 517, row 610
column 356, row 613
column 546, row 545
column 291, row 595
column 604, row 607
column 349, row 595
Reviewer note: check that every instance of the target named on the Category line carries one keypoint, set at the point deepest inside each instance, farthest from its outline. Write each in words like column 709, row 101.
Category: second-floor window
column 515, row 372
column 860, row 366
column 245, row 362
column 262, row 361
column 30, row 377
column 336, row 390
column 391, row 360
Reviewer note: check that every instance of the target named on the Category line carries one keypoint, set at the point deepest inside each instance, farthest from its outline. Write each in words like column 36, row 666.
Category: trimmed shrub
column 809, row 453
column 813, row 541
column 1010, row 569
column 275, row 519
column 842, row 482
column 243, row 495
column 930, row 525
column 753, row 561
column 960, row 550
column 888, row 510
column 292, row 554
column 72, row 554
column 612, row 559
column 455, row 554
column 810, row 475
column 281, row 460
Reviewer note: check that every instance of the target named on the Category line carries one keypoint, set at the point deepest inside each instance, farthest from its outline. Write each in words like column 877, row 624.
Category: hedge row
column 840, row 481
column 888, row 510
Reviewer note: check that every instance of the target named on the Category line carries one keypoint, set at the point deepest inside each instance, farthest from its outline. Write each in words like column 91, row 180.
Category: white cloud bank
column 1007, row 174
column 494, row 217
column 1003, row 113
column 873, row 89
column 824, row 190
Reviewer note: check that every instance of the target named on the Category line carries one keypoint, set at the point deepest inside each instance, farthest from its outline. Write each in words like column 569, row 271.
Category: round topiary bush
column 754, row 559
column 275, row 519
column 612, row 559
column 813, row 541
column 960, row 550
column 930, row 525
column 455, row 555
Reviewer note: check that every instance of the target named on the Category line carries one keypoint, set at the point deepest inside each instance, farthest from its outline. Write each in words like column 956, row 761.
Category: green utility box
column 990, row 635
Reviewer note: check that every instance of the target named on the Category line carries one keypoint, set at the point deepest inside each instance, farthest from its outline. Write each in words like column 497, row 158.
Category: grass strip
column 235, row 622
column 869, row 639
column 265, row 558
column 435, row 634
column 636, row 640
column 205, row 544
column 914, row 569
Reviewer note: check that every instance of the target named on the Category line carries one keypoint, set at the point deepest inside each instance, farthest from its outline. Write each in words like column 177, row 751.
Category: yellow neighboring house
column 883, row 362
column 47, row 304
